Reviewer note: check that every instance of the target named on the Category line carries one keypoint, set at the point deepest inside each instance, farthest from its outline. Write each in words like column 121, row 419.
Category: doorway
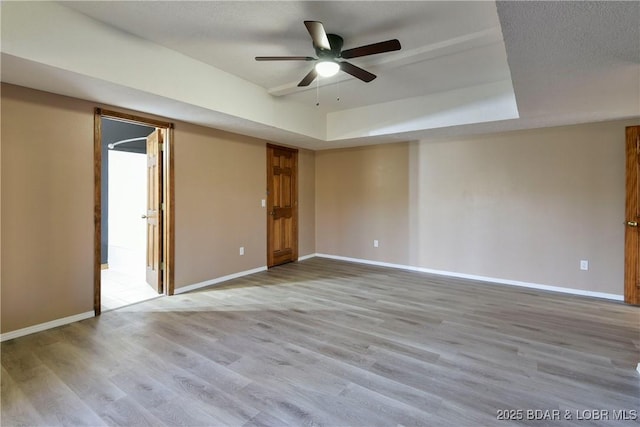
column 282, row 205
column 632, row 230
column 133, row 210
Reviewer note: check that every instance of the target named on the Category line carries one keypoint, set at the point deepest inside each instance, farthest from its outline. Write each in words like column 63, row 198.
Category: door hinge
column 161, row 146
column 162, row 266
column 162, row 206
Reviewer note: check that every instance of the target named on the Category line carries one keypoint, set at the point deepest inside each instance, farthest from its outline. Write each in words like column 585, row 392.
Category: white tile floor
column 123, row 283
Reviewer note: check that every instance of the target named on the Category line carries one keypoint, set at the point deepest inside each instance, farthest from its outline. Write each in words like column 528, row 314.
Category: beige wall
column 525, row 206
column 220, row 181
column 362, row 194
column 47, row 205
column 306, row 202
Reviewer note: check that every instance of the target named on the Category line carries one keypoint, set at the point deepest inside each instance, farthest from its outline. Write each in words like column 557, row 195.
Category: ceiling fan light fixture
column 327, row 68
column 328, row 49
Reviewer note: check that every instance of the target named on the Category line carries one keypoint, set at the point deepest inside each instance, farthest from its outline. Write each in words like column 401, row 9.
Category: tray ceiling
column 464, row 67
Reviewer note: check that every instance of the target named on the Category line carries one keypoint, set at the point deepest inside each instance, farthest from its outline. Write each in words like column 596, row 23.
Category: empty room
column 331, row 213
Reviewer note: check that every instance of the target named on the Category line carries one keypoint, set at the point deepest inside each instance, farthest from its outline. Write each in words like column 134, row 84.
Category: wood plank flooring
column 323, row 342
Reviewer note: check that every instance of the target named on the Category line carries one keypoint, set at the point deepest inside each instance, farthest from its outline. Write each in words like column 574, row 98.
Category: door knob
column 632, row 223
column 143, row 216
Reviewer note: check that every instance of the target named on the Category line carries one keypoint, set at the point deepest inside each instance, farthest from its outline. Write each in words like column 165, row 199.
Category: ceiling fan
column 328, row 49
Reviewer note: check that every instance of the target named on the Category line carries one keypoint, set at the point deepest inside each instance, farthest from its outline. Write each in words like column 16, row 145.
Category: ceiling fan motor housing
column 336, row 42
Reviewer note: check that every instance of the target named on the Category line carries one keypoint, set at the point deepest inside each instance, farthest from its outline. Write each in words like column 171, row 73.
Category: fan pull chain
column 338, row 97
column 317, row 92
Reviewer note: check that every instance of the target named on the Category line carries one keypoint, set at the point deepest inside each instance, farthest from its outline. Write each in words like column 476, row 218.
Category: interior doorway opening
column 124, row 196
column 133, row 210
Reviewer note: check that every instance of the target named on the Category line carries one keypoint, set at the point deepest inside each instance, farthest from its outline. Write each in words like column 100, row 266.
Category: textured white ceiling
column 566, row 62
column 228, row 35
column 574, row 57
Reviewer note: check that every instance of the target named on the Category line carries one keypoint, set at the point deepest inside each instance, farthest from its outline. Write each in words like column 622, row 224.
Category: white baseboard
column 572, row 291
column 302, row 258
column 44, row 326
column 210, row 282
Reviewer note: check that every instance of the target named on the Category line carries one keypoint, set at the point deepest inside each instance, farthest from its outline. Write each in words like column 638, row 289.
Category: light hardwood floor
column 324, row 342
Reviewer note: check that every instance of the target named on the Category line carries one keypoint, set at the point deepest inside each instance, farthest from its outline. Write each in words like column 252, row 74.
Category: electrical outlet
column 584, row 264
column 241, row 250
column 375, row 244
column 264, row 203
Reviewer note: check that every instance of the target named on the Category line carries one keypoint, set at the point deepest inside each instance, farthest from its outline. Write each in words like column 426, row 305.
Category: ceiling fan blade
column 357, row 72
column 318, row 34
column 308, row 78
column 372, row 49
column 285, row 58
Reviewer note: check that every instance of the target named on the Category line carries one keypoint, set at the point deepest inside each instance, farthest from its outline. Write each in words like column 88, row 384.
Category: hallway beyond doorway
column 124, row 235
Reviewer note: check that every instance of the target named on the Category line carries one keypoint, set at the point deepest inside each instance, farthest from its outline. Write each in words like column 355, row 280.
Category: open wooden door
column 160, row 203
column 282, row 205
column 154, row 210
column 632, row 232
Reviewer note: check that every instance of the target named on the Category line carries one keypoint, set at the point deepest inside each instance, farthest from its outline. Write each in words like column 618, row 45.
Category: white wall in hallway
column 127, row 203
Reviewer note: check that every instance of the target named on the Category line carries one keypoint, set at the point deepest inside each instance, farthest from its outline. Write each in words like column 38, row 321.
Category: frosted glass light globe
column 327, row 68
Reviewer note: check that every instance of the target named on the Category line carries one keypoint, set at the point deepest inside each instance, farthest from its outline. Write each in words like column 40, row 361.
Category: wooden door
column 282, row 205
column 632, row 215
column 154, row 212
